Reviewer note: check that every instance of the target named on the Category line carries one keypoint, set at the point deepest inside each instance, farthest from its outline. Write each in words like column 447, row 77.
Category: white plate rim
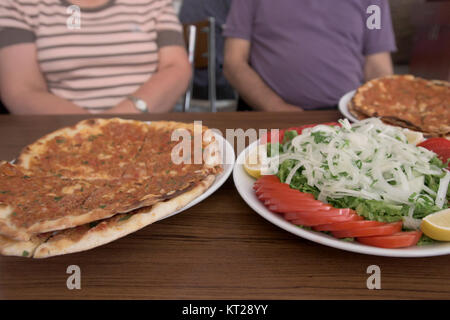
column 243, row 183
column 343, row 106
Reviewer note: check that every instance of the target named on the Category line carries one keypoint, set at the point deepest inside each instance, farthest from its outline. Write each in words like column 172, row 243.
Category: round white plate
column 229, row 161
column 244, row 184
column 343, row 106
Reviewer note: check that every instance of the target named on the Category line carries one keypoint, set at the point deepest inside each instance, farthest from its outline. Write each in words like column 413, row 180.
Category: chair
column 201, row 42
column 190, row 33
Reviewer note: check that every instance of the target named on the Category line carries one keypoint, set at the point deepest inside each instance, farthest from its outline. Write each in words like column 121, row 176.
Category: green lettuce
column 370, row 209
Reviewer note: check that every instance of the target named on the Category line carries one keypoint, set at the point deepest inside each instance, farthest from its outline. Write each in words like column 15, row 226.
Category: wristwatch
column 139, row 104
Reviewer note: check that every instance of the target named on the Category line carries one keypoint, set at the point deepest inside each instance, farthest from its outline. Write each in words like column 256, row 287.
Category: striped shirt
column 112, row 53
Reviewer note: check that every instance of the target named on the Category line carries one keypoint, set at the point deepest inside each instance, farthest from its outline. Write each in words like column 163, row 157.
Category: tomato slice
column 283, row 194
column 383, row 230
column 294, row 202
column 291, row 198
column 324, row 213
column 396, row 240
column 348, row 225
column 271, row 186
column 300, row 209
column 311, row 220
column 268, row 178
column 433, row 143
column 281, row 191
column 297, row 205
column 269, row 182
column 328, row 212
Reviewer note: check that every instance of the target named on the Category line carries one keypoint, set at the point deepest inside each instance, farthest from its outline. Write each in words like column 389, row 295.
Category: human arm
column 246, row 80
column 166, row 86
column 171, row 79
column 378, row 65
column 378, row 44
column 22, row 86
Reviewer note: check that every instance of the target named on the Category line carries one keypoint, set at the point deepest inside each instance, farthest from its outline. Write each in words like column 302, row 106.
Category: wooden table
column 219, row 249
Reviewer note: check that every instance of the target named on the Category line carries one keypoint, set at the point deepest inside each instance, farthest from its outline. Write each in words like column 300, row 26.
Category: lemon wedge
column 254, row 160
column 437, row 225
column 413, row 137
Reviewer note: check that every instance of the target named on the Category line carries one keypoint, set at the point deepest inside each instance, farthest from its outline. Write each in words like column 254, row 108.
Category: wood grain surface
column 219, row 249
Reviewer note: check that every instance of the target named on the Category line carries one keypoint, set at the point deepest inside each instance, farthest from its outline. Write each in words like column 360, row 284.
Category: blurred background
column 422, row 30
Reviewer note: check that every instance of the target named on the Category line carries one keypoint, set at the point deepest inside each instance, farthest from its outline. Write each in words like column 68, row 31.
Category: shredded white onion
column 442, row 191
column 368, row 159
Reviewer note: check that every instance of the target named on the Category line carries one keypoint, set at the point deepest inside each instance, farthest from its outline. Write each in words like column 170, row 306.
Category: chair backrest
column 190, row 34
column 203, row 53
column 201, row 42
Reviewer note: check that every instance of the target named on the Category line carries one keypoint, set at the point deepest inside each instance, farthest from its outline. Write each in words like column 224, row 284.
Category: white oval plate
column 343, row 106
column 244, row 184
column 229, row 162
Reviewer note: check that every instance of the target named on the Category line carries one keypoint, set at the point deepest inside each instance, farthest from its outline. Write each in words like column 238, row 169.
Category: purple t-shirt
column 310, row 52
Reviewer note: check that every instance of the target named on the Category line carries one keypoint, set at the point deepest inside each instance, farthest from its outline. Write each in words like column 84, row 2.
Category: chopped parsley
column 320, row 137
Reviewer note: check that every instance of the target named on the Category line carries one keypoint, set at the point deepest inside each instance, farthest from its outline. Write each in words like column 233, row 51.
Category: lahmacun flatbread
column 91, row 149
column 10, row 247
column 355, row 112
column 407, row 101
column 100, row 232
column 94, row 171
column 30, row 205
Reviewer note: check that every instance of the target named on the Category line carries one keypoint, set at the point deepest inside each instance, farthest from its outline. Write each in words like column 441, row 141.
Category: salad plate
column 244, row 184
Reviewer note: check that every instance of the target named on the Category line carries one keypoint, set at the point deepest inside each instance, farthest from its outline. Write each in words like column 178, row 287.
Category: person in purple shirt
column 293, row 55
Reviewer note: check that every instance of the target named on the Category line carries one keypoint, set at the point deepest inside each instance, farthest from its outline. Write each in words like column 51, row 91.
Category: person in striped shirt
column 91, row 56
